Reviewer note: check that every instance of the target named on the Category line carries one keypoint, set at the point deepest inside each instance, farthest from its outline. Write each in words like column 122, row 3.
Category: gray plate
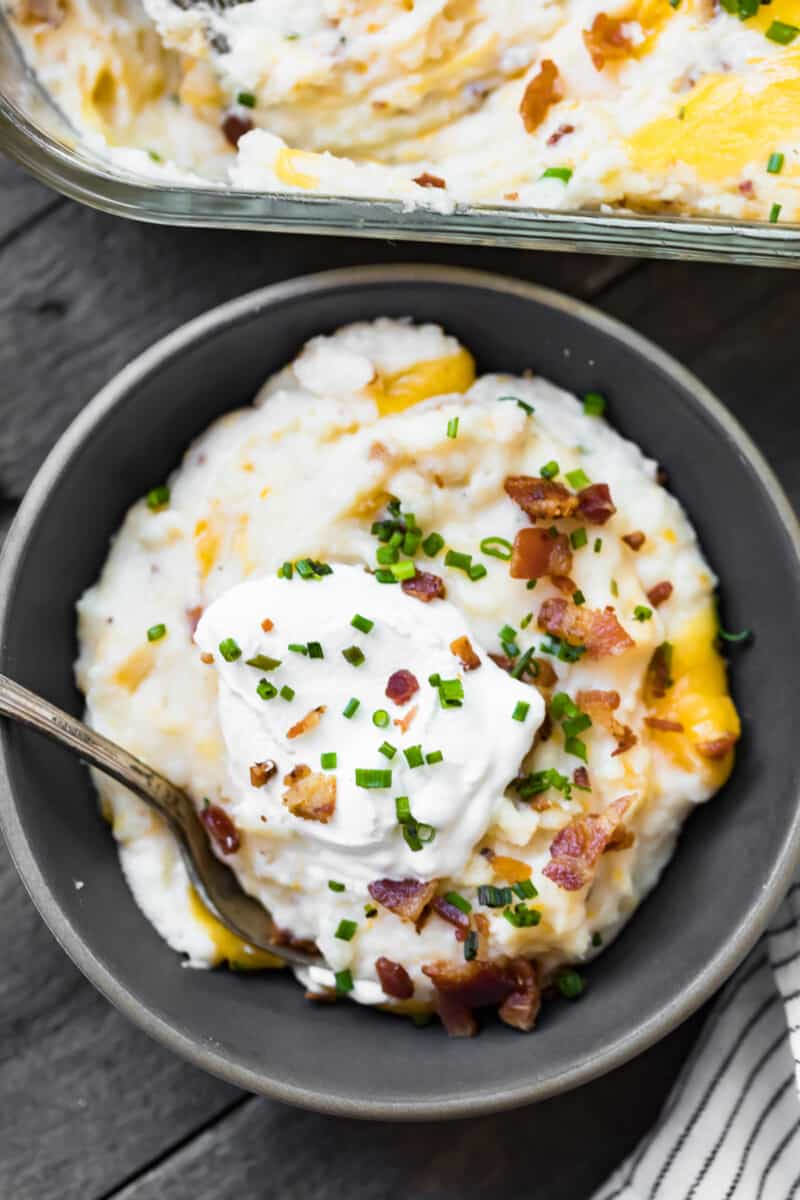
column 733, row 862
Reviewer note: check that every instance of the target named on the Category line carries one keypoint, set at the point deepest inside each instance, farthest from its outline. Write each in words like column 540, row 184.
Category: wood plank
column 22, row 198
column 85, row 292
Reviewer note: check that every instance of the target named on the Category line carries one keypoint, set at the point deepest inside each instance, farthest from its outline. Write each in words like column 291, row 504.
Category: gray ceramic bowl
column 733, row 862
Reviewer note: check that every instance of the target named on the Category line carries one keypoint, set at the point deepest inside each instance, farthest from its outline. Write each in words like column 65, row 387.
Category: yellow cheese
column 229, row 947
column 136, row 667
column 208, row 539
column 287, row 164
column 433, row 377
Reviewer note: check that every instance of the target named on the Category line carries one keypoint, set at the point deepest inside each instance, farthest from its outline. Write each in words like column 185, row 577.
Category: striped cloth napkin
column 731, row 1126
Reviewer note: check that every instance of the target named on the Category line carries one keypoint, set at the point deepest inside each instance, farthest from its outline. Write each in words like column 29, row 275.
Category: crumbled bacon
column 310, row 721
column 427, row 180
column 575, row 850
column 463, row 650
column 402, row 685
column 481, row 925
column 311, row 794
column 599, row 631
column 235, row 127
column 580, row 777
column 564, row 584
column 541, row 93
column 206, row 658
column 40, row 12
column 623, row 839
column 601, row 707
column 718, row 747
column 404, row 722
column 541, row 499
column 267, row 625
column 606, row 40
column 595, row 504
column 635, row 540
column 660, row 593
column 502, row 661
column 558, row 134
column 424, row 586
column 284, row 937
column 543, row 672
column 658, row 679
column 537, row 553
column 746, row 187
column 394, row 979
column 193, row 616
column 221, row 828
column 406, row 898
column 664, row 725
column 511, row 983
column 262, row 772
column 449, row 912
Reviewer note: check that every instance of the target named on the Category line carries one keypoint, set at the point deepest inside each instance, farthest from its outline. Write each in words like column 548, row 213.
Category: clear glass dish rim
column 86, row 179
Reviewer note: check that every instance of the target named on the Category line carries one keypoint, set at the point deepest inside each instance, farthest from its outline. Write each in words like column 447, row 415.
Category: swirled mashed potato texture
column 666, row 105
column 434, row 656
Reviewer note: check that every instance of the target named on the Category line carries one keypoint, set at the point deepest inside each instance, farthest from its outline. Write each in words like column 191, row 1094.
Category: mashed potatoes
column 669, row 105
column 435, row 658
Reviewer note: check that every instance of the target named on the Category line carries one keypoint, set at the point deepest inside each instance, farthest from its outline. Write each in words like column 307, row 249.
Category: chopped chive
column 521, row 710
column 642, row 612
column 598, row 545
column 286, row 571
column 528, row 409
column 531, row 584
column 405, row 569
column 775, row 163
column 158, row 497
column 297, row 648
column 461, row 562
column 315, row 650
column 396, row 540
column 526, row 620
column 578, row 597
column 782, row 33
column 571, row 984
column 380, row 718
column 386, row 555
column 458, row 901
column 563, row 706
column 494, row 897
column 521, row 917
column 304, row 568
column 286, row 692
column 354, row 655
column 328, row 761
column 387, row 749
column 402, row 808
column 549, row 470
column 614, row 586
column 362, row 623
column 510, row 649
column 574, row 745
column 743, row 636
column 523, row 664
column 382, row 530
column 413, row 756
column 434, row 757
column 594, row 404
column 229, row 649
column 507, row 633
column 335, row 886
column 597, row 939
column 774, row 213
column 452, row 427
column 246, row 99
column 371, row 778
column 370, row 910
column 411, row 542
column 263, row 662
column 385, row 576
column 562, row 173
column 156, row 632
column 576, row 725
column 425, row 833
column 451, row 693
column 433, row 544
column 345, row 930
column 266, row 690
column 497, row 547
column 525, row 889
column 410, row 836
column 578, row 538
column 470, row 945
column 578, row 479
column 476, row 571
column 434, row 680
column 344, row 981
column 350, row 708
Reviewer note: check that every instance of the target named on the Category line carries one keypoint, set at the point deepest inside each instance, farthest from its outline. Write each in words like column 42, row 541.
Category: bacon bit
column 406, row 898
column 502, row 661
column 481, row 923
column 599, row 631
column 40, row 12
column 564, row 584
column 449, row 912
column 541, row 499
column 664, row 725
column 595, row 504
column 284, row 937
column 623, row 839
column 580, row 777
column 221, row 828
column 511, row 983
column 424, row 586
column 606, row 40
column 510, row 869
column 262, row 772
column 718, row 747
column 660, row 593
column 575, row 851
column 394, row 979
column 427, row 180
column 635, row 540
column 746, row 187
column 308, row 722
column 536, row 553
column 206, row 658
column 560, row 133
column 311, row 794
column 235, row 127
column 662, row 476
column 511, row 196
column 657, row 677
column 462, row 648
column 267, row 625
column 541, row 93
column 403, row 723
column 545, row 674
column 327, row 997
column 401, row 687
column 193, row 616
column 601, row 707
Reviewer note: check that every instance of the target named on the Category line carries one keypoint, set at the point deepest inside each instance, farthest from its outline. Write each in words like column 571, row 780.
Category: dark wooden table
column 90, row 1108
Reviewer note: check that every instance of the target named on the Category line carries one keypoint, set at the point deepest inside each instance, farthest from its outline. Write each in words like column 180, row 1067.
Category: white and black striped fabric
column 730, row 1129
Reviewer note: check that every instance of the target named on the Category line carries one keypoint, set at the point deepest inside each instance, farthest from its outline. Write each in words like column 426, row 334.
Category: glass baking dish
column 36, row 134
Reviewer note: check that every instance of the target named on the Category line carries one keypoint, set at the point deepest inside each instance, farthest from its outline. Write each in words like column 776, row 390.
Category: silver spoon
column 216, row 883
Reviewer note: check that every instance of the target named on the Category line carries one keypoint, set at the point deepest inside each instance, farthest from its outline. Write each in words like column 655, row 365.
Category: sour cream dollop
column 482, row 740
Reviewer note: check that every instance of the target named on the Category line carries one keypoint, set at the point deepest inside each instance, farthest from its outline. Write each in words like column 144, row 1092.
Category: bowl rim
column 606, row 1058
